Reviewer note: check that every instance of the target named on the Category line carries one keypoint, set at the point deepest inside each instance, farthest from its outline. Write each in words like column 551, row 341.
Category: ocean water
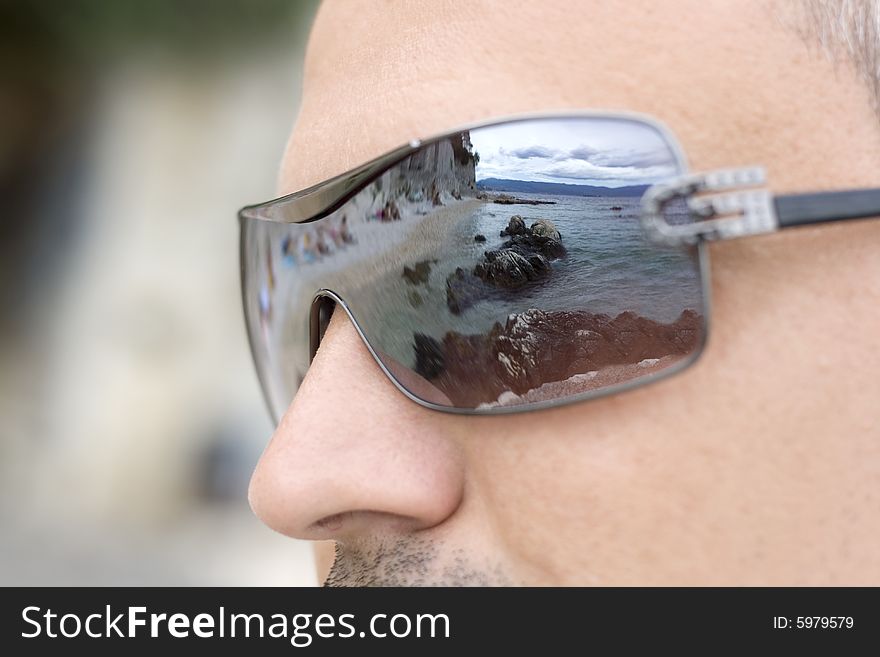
column 610, row 267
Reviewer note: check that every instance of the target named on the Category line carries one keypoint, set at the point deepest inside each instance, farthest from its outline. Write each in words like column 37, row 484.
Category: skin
column 758, row 465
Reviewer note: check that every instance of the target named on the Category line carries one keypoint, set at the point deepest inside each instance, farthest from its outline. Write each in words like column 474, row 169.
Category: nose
column 352, row 455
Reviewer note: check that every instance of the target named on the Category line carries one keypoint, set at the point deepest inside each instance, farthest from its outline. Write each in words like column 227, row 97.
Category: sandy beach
column 379, row 251
column 385, row 247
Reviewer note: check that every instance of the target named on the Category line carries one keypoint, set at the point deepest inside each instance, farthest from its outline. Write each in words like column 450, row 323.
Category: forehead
column 380, row 74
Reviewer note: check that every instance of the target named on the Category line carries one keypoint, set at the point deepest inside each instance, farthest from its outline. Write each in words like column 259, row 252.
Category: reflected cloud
column 591, row 173
column 532, row 151
column 598, row 151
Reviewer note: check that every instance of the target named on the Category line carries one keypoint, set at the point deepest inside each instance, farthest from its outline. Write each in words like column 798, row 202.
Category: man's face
column 758, row 465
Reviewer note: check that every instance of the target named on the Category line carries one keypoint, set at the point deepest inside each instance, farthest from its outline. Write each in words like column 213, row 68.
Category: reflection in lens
column 496, row 267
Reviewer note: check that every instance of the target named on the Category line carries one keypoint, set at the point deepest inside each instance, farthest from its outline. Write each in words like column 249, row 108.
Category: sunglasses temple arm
column 731, row 203
column 805, row 209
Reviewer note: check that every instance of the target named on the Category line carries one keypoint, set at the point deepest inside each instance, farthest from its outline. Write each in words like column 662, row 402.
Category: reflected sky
column 603, row 152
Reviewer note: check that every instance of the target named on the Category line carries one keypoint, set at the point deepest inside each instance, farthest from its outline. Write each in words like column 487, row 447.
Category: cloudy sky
column 605, row 152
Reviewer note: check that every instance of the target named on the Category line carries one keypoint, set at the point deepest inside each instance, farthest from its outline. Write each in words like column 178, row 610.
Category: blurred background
column 130, row 414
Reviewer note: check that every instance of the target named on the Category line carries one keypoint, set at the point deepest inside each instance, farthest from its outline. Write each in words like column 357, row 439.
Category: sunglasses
column 511, row 265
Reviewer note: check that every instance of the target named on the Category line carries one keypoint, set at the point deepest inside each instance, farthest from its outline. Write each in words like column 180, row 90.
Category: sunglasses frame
column 733, row 214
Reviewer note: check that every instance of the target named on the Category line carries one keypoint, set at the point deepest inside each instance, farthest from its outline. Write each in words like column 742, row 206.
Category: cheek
column 566, row 487
column 588, row 494
column 713, row 476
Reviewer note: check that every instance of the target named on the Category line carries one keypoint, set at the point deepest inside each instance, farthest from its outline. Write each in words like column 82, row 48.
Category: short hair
column 846, row 29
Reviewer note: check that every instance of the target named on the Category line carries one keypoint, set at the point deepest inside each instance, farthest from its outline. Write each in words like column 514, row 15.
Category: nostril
column 332, row 523
column 319, row 319
column 337, row 526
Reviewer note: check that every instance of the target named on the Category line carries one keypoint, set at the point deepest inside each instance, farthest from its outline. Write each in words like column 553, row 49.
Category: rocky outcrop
column 537, row 347
column 443, row 167
column 516, row 226
column 524, row 258
column 541, row 237
column 545, row 228
column 507, row 199
column 435, row 174
column 463, row 290
column 508, row 268
column 429, row 356
column 528, row 244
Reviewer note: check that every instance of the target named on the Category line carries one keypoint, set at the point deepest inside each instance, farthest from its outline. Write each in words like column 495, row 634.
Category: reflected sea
column 610, row 267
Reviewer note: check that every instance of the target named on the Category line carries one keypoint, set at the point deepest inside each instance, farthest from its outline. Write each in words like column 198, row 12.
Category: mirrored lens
column 501, row 266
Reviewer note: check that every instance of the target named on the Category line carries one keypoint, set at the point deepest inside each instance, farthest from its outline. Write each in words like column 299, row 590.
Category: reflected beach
column 501, row 266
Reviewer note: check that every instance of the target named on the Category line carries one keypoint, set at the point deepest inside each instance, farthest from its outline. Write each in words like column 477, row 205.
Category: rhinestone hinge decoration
column 747, row 209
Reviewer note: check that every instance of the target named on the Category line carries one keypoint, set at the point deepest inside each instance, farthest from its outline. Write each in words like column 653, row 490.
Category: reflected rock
column 463, row 290
column 522, row 259
column 418, row 274
column 528, row 244
column 507, row 199
column 510, row 269
column 537, row 347
column 542, row 237
column 429, row 356
column 545, row 228
column 516, row 226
